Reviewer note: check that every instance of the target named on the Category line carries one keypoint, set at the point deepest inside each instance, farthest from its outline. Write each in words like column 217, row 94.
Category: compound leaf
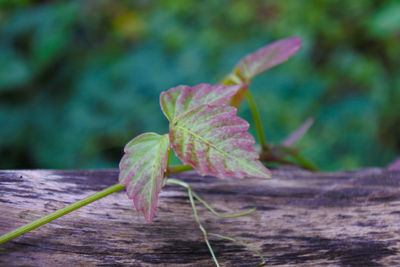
column 142, row 170
column 179, row 100
column 215, row 141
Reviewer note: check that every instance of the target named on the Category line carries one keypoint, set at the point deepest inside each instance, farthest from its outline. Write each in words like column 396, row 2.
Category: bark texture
column 302, row 218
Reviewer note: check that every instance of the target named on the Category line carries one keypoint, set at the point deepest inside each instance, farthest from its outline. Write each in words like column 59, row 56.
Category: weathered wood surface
column 303, row 218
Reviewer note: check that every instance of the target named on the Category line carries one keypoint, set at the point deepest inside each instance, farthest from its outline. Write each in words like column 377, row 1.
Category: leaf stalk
column 256, row 118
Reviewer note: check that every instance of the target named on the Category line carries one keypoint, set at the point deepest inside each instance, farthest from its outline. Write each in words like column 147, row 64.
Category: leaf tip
column 267, row 57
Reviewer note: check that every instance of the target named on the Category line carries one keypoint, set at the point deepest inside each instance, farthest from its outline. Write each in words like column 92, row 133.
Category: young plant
column 206, row 135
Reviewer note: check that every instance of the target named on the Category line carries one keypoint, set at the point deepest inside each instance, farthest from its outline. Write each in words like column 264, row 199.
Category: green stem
column 256, row 118
column 178, row 168
column 305, row 163
column 39, row 222
column 169, row 158
column 59, row 213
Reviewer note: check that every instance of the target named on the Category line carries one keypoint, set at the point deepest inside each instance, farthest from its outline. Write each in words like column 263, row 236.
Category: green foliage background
column 78, row 79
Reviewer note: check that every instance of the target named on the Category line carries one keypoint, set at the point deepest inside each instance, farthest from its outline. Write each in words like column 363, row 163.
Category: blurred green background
column 79, row 79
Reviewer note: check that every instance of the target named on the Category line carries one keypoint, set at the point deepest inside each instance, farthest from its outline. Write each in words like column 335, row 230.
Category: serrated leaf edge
column 174, row 125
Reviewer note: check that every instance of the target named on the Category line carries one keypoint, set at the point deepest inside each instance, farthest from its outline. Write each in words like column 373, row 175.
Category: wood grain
column 302, row 218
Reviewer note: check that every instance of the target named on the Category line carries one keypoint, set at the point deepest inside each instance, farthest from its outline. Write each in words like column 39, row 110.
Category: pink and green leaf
column 179, row 100
column 258, row 62
column 142, row 170
column 267, row 57
column 215, row 142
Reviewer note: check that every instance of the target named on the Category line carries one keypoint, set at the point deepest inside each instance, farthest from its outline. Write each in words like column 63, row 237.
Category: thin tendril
column 196, row 216
column 211, row 209
column 192, row 195
column 243, row 244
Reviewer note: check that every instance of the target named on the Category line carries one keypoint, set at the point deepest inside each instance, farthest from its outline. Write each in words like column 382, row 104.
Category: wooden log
column 303, row 218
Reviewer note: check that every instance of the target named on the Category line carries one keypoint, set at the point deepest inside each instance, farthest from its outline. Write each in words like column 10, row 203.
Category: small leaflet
column 142, row 170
